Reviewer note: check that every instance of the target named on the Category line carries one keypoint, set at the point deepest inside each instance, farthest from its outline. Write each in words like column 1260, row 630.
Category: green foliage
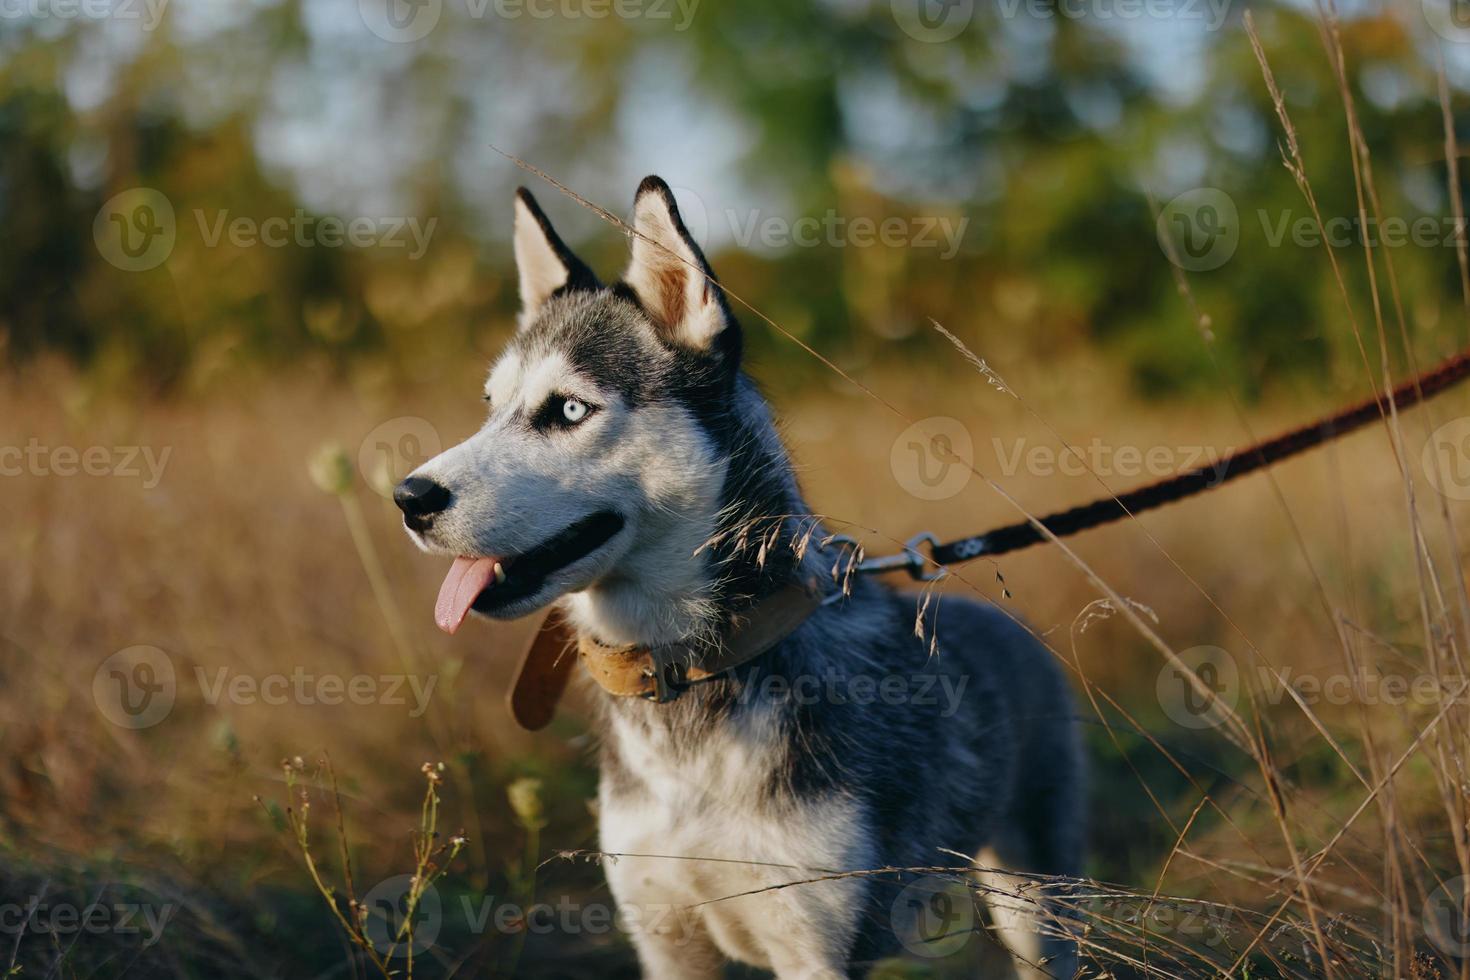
column 1046, row 136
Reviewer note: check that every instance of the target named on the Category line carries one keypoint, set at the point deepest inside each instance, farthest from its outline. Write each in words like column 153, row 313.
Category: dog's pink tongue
column 467, row 578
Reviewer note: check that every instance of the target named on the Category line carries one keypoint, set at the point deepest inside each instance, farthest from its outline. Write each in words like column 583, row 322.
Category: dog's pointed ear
column 671, row 278
column 543, row 261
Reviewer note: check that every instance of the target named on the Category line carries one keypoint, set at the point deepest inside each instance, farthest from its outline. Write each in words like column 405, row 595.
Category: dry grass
column 236, row 559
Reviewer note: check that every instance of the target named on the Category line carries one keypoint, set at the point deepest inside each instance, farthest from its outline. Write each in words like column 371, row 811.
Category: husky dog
column 629, row 472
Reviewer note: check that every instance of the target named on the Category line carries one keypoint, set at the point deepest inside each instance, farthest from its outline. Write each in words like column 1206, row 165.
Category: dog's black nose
column 419, row 498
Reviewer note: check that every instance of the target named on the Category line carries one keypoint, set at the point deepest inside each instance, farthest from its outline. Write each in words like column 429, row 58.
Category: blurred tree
column 1038, row 131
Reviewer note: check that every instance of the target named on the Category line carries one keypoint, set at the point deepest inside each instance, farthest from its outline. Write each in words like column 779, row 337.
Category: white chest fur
column 714, row 846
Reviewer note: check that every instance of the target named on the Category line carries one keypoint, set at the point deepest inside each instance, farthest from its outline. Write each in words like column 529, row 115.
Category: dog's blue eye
column 561, row 412
column 573, row 410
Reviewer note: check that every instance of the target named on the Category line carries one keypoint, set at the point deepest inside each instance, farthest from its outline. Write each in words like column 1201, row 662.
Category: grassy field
column 214, row 547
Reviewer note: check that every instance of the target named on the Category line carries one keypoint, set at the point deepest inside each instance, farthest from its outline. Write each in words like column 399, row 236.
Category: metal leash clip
column 921, row 568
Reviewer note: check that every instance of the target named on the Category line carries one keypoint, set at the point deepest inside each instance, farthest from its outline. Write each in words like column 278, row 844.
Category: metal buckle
column 910, row 559
column 918, row 566
column 669, row 679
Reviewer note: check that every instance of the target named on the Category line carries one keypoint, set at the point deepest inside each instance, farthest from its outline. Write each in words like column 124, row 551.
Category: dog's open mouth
column 490, row 583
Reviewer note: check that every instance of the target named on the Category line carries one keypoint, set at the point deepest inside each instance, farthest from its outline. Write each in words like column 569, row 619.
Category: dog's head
column 603, row 453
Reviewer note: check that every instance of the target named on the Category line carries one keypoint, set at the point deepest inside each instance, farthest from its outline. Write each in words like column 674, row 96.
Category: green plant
column 431, row 859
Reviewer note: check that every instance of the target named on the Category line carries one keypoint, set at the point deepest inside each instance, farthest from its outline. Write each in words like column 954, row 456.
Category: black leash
column 1024, row 534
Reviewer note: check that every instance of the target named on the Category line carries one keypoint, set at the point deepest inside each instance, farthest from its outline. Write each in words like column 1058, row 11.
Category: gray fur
column 741, row 784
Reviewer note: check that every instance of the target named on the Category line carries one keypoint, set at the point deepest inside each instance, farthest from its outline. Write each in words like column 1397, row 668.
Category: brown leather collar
column 659, row 674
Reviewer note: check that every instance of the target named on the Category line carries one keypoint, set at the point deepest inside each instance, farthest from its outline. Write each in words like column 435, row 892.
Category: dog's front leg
column 666, row 929
column 805, row 969
column 677, row 954
column 811, row 929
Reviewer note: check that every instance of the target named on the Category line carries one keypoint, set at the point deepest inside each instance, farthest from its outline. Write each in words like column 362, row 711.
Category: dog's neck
column 687, row 581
